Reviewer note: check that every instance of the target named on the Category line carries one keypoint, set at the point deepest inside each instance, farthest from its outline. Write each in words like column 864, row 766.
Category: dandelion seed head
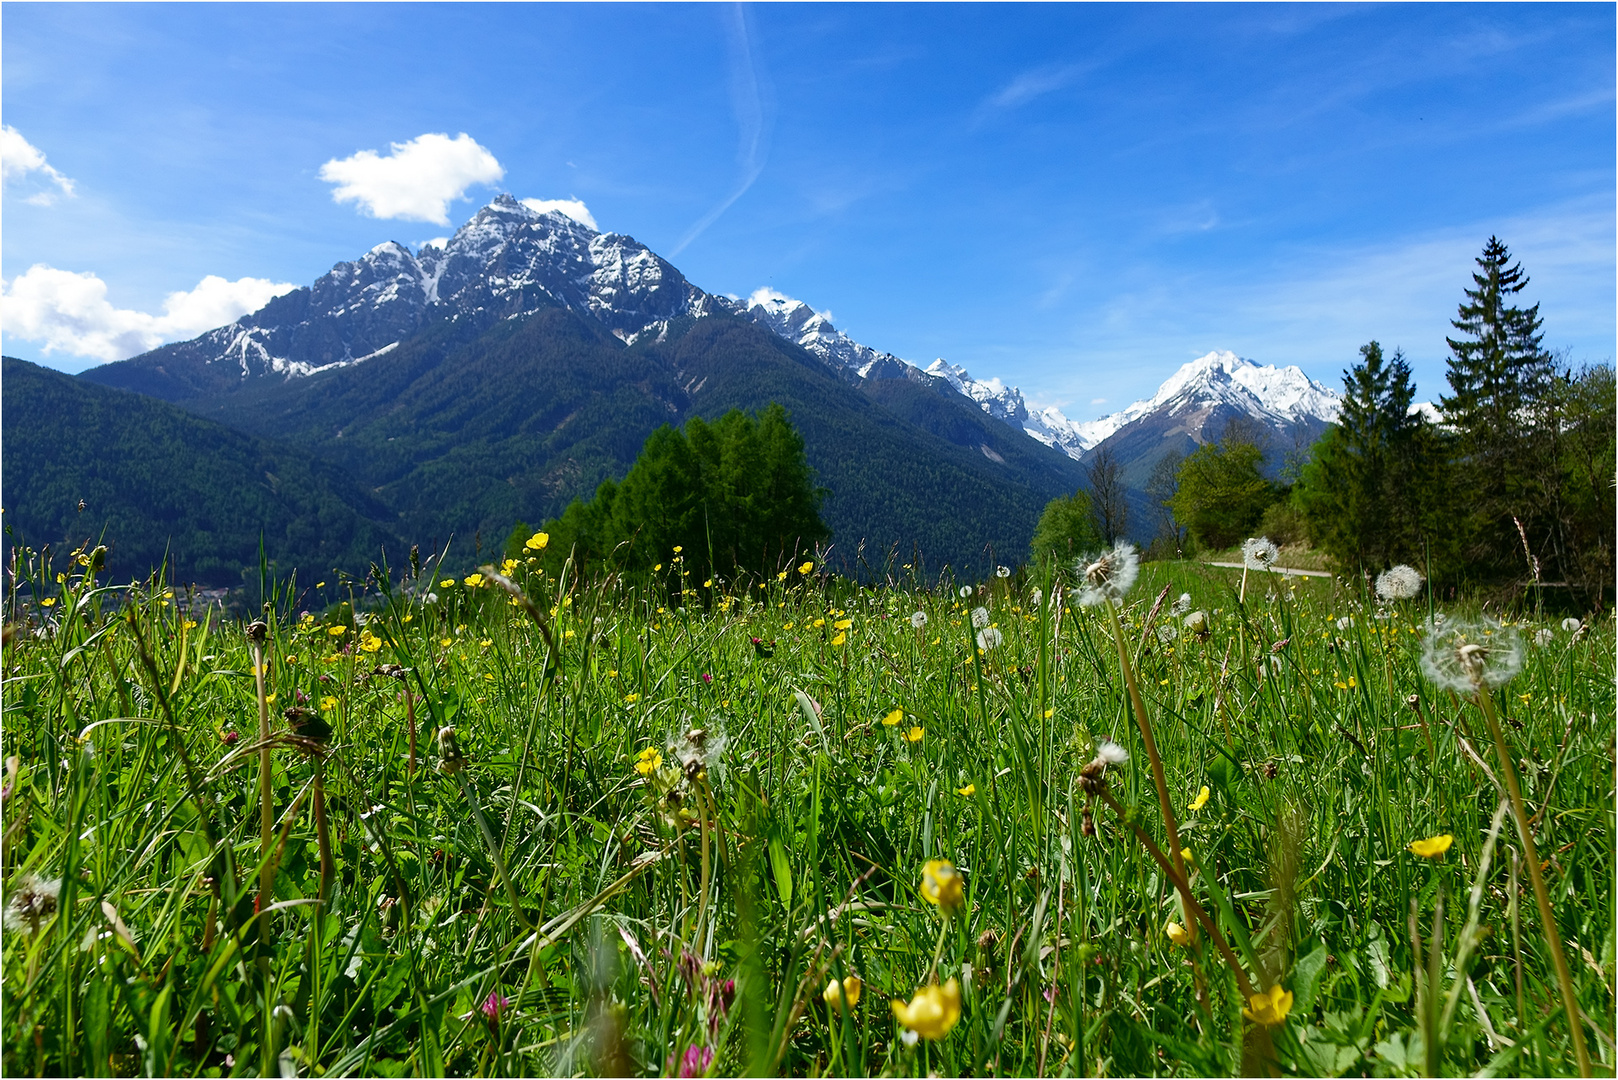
column 965, row 591
column 918, row 619
column 1110, row 753
column 1467, row 656
column 1002, row 572
column 1110, row 575
column 1544, row 636
column 1398, row 583
column 1035, row 597
column 1572, row 625
column 1196, row 622
column 1344, row 623
column 990, row 638
column 980, row 617
column 1180, row 606
column 1167, row 632
column 30, row 901
column 1259, row 553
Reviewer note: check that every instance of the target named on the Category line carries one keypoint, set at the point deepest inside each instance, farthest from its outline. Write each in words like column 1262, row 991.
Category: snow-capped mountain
column 508, row 261
column 1219, row 383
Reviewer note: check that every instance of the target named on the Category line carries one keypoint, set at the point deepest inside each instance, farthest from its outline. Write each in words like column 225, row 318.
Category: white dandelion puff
column 1035, row 597
column 980, row 617
column 1398, row 583
column 1467, row 656
column 1167, row 632
column 1259, row 553
column 1196, row 622
column 1109, row 575
column 965, row 591
column 1344, row 623
column 1110, row 753
column 1002, row 572
column 31, row 901
column 1544, row 636
column 1571, row 625
column 990, row 638
column 1180, row 606
column 918, row 620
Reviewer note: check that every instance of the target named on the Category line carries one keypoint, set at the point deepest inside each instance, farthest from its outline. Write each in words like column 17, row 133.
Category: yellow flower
column 914, row 735
column 370, row 642
column 1185, row 854
column 932, row 1012
column 844, row 995
column 320, row 584
column 818, row 623
column 337, row 631
column 839, row 639
column 1269, row 1009
column 508, row 567
column 1177, row 933
column 942, row 885
column 782, row 576
column 630, row 699
column 269, row 699
column 1201, row 800
column 1433, row 846
column 678, row 549
column 1049, row 713
column 328, row 703
column 806, row 567
column 648, row 761
column 537, row 542
column 49, row 601
column 447, row 583
column 472, row 581
column 893, row 718
column 843, row 624
column 445, row 643
column 968, row 791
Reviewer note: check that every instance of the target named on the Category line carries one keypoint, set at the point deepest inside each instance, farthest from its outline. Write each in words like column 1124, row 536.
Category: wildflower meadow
column 1103, row 818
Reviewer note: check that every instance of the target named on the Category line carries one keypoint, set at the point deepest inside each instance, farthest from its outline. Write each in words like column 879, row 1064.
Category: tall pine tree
column 1500, row 377
column 1372, row 488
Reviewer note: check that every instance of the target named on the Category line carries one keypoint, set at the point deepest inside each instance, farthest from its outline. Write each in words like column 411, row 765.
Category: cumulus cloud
column 69, row 312
column 416, row 181
column 573, row 208
column 23, row 164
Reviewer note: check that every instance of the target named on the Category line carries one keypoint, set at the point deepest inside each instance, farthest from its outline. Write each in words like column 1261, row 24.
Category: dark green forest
column 156, row 482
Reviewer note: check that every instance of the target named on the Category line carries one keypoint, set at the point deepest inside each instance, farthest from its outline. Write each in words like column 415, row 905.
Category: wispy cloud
column 1029, row 85
column 69, row 312
column 22, row 164
column 753, row 121
column 416, row 181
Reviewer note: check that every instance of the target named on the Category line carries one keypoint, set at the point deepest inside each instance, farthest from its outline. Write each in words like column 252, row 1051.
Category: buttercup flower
column 1467, row 656
column 1398, row 583
column 968, row 791
column 1177, row 933
column 933, row 1011
column 648, row 761
column 472, row 581
column 943, row 886
column 842, row 995
column 805, row 567
column 893, row 718
column 980, row 617
column 1269, row 1008
column 1201, row 800
column 1259, row 553
column 537, row 542
column 914, row 735
column 1110, row 575
column 918, row 619
column 1432, row 847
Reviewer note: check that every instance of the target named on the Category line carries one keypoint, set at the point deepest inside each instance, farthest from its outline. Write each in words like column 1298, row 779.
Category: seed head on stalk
column 1109, row 575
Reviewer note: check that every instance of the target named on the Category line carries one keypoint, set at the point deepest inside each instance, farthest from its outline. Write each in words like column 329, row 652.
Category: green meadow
column 518, row 823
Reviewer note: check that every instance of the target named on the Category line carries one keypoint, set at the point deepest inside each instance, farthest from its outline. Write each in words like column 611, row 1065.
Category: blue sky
column 1076, row 199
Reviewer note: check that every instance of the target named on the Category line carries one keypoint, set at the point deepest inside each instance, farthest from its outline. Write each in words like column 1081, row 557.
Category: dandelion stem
column 1145, row 725
column 1547, row 917
column 1194, row 910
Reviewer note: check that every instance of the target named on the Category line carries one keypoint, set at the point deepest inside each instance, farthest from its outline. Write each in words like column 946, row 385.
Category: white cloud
column 439, row 242
column 573, row 208
column 417, row 181
column 69, row 312
column 21, row 159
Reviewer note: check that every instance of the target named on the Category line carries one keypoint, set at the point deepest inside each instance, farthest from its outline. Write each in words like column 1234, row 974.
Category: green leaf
column 781, row 869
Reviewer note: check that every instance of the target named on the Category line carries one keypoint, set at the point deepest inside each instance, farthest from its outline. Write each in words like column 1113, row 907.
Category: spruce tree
column 1370, row 490
column 1500, row 377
